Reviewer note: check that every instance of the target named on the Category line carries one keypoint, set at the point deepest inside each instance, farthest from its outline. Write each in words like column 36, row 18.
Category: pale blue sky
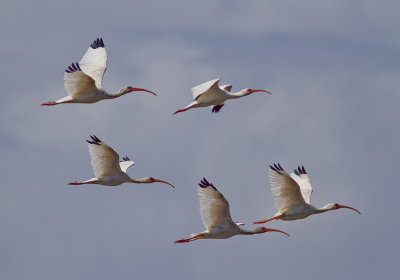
column 333, row 68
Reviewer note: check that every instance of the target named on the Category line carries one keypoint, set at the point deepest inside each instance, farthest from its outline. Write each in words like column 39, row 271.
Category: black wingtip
column 73, row 68
column 204, row 184
column 125, row 158
column 95, row 140
column 277, row 168
column 301, row 170
column 98, row 43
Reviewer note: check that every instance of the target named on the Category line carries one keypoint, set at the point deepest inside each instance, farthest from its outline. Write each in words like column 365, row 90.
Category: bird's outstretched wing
column 104, row 158
column 94, row 61
column 304, row 182
column 78, row 84
column 214, row 208
column 125, row 163
column 284, row 188
column 206, row 90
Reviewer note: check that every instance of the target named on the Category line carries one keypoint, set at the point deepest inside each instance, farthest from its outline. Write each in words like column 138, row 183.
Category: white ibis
column 214, row 210
column 83, row 79
column 210, row 94
column 292, row 195
column 107, row 169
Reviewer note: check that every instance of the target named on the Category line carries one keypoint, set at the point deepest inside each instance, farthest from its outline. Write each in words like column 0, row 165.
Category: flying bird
column 292, row 195
column 109, row 171
column 83, row 79
column 210, row 94
column 214, row 210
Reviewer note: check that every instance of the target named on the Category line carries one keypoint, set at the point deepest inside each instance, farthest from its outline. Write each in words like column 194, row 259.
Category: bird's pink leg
column 83, row 183
column 267, row 220
column 184, row 240
column 49, row 103
column 185, row 109
column 181, row 110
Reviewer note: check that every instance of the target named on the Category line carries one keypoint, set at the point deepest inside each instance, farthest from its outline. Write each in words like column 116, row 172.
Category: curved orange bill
column 348, row 207
column 142, row 89
column 255, row 90
column 161, row 181
column 277, row 230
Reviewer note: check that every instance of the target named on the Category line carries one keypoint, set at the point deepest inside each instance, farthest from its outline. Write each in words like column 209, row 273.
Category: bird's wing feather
column 79, row 85
column 94, row 61
column 285, row 189
column 304, row 182
column 214, row 208
column 206, row 90
column 104, row 159
column 124, row 165
column 226, row 87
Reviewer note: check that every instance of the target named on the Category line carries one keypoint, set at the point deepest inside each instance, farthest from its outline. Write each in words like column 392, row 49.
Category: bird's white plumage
column 292, row 195
column 211, row 94
column 286, row 191
column 214, row 209
column 226, row 87
column 78, row 84
column 304, row 183
column 94, row 64
column 124, row 165
column 208, row 91
column 105, row 161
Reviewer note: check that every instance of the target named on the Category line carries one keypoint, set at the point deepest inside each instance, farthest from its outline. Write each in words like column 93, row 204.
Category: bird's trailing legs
column 83, row 183
column 180, row 110
column 49, row 103
column 186, row 108
column 184, row 240
column 270, row 219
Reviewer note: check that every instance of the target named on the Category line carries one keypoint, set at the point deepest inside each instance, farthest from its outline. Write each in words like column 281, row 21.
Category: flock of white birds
column 83, row 82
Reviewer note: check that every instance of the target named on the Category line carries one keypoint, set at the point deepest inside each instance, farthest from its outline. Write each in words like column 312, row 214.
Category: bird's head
column 153, row 180
column 248, row 91
column 130, row 89
column 264, row 229
column 334, row 206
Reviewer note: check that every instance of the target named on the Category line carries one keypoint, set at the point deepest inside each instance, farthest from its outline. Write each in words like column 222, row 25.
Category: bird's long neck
column 320, row 210
column 327, row 207
column 251, row 231
column 118, row 93
column 138, row 181
column 238, row 94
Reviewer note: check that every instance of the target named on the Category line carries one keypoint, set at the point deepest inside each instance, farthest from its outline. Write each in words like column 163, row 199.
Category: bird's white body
column 298, row 212
column 107, row 168
column 211, row 94
column 83, row 80
column 111, row 180
column 292, row 195
column 218, row 233
column 216, row 217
